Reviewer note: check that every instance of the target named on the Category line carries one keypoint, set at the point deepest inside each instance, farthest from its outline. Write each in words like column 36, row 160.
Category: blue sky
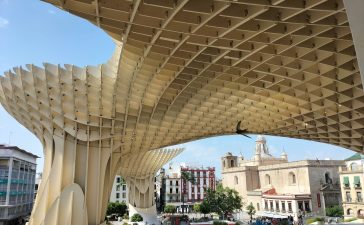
column 33, row 32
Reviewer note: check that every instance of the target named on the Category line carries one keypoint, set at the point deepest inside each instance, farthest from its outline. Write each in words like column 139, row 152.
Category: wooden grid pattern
column 185, row 70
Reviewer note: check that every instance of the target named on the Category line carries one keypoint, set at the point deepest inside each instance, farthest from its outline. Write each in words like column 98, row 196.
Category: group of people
column 276, row 221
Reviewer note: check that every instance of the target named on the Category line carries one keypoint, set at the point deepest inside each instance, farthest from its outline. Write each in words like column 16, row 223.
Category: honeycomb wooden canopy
column 188, row 69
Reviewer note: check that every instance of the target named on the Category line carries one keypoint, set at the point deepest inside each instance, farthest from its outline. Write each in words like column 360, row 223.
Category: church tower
column 261, row 148
column 229, row 161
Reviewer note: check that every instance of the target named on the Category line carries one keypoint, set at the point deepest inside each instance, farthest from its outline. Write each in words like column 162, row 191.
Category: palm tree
column 251, row 211
column 186, row 177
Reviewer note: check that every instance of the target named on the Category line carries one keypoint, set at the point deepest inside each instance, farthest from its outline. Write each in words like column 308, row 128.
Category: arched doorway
column 350, row 212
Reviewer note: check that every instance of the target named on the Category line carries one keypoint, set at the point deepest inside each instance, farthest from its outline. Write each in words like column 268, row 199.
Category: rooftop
column 2, row 146
column 356, row 156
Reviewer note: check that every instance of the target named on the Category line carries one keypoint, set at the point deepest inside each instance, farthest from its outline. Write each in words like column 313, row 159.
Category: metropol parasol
column 184, row 70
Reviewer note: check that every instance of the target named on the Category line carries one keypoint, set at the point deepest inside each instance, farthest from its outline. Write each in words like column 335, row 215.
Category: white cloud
column 3, row 22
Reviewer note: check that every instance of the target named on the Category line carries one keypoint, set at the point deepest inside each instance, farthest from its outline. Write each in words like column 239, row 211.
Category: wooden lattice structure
column 188, row 69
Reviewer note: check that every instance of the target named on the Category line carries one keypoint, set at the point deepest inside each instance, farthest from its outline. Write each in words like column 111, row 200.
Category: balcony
column 345, row 170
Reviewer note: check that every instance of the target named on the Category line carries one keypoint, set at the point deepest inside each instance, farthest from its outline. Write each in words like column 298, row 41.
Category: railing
column 345, row 169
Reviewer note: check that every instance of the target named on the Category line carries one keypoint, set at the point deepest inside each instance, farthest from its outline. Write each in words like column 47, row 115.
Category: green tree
column 170, row 209
column 205, row 208
column 334, row 211
column 197, row 208
column 136, row 218
column 119, row 208
column 223, row 200
column 251, row 211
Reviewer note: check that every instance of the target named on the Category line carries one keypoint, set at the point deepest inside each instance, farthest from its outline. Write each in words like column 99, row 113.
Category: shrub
column 237, row 223
column 350, row 219
column 125, row 217
column 169, row 209
column 217, row 222
column 335, row 211
column 118, row 208
column 316, row 219
column 136, row 218
column 125, row 224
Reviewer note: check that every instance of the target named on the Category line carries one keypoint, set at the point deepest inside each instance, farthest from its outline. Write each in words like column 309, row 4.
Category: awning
column 271, row 215
column 357, row 180
column 346, row 181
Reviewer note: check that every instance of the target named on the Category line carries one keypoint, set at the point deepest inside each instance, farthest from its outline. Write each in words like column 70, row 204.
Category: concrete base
column 149, row 214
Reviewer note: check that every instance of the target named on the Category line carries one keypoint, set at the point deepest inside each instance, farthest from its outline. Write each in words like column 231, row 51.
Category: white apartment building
column 17, row 183
column 119, row 191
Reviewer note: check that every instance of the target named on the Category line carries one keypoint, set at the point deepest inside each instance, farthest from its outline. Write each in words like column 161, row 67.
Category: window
column 124, row 187
column 359, row 198
column 124, row 195
column 267, row 179
column 266, row 205
column 232, row 163
column 236, row 181
column 346, row 182
column 258, row 208
column 204, row 173
column 300, row 205
column 177, row 182
column 204, row 181
column 328, row 179
column 177, row 190
column 170, row 183
column 357, row 181
column 292, row 178
column 170, row 190
column 277, row 206
column 289, row 206
column 307, row 206
column 118, row 187
column 283, row 207
column 348, row 196
column 117, row 195
column 354, row 166
column 271, row 205
column 118, row 180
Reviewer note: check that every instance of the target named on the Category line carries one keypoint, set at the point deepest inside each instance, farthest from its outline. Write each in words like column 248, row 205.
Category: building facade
column 119, row 191
column 184, row 194
column 17, row 183
column 204, row 178
column 284, row 188
column 351, row 180
column 160, row 190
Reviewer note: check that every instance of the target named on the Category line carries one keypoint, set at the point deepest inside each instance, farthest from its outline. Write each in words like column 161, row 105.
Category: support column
column 77, row 181
column 141, row 198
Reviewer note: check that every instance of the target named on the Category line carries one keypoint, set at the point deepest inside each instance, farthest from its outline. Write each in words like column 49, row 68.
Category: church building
column 279, row 188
